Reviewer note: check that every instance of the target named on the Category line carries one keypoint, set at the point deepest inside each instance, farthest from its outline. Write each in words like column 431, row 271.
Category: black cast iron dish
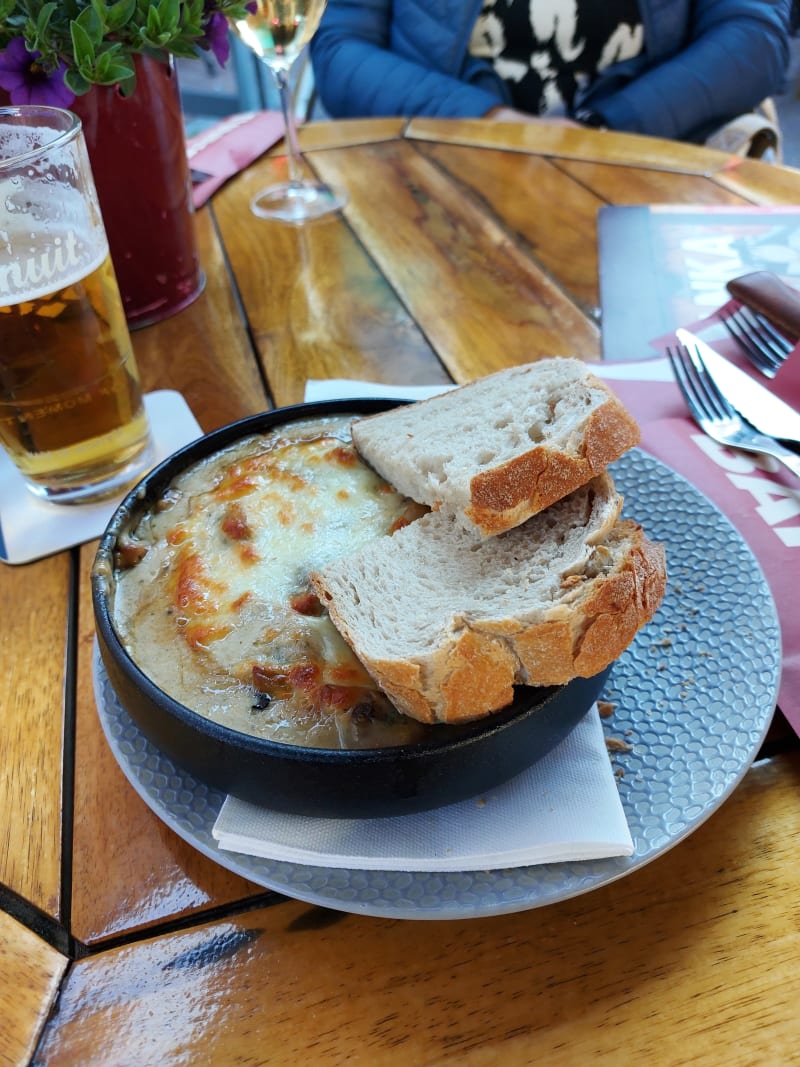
column 463, row 762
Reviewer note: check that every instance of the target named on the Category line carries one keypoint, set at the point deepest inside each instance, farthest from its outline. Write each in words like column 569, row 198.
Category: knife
column 768, row 413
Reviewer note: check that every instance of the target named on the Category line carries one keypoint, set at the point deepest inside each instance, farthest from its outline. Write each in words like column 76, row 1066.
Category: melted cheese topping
column 214, row 603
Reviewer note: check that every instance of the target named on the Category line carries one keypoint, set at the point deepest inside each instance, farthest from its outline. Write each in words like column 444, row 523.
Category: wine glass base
column 296, row 202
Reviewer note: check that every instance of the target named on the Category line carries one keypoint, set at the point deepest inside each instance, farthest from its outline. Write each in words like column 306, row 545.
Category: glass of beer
column 71, row 411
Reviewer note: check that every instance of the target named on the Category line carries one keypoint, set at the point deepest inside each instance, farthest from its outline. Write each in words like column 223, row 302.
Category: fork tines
column 702, row 397
column 764, row 345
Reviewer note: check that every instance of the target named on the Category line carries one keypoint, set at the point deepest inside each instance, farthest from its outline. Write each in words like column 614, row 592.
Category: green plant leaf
column 92, row 24
column 169, row 13
column 82, row 46
column 120, row 14
column 43, row 19
column 77, row 83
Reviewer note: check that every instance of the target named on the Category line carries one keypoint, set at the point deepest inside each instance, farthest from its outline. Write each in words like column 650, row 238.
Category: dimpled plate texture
column 693, row 695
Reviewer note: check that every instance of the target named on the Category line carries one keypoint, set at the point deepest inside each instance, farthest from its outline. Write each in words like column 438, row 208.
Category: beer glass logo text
column 34, row 272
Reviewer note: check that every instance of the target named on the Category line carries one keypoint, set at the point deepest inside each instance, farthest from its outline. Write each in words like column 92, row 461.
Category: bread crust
column 501, row 494
column 504, row 497
column 474, row 667
column 472, row 670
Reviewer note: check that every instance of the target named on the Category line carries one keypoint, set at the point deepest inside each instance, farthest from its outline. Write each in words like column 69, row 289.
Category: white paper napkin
column 656, row 369
column 31, row 528
column 565, row 807
column 337, row 388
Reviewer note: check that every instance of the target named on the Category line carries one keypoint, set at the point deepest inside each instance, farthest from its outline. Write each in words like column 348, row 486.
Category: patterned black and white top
column 548, row 51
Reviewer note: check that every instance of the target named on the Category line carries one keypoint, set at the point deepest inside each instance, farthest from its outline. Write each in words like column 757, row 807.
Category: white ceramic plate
column 694, row 695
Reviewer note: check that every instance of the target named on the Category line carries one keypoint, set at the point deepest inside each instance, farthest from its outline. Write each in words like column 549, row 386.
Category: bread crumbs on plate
column 616, row 744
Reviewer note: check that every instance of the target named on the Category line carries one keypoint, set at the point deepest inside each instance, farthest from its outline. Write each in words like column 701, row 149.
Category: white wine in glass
column 277, row 31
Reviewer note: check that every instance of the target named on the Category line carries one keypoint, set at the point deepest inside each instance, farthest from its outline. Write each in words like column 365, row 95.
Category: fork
column 714, row 414
column 761, row 342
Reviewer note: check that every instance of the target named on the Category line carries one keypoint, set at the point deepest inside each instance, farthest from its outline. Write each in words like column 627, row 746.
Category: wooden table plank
column 761, row 183
column 33, row 658
column 129, row 870
column 316, row 136
column 569, row 142
column 691, row 958
column 637, row 185
column 554, row 230
column 30, row 972
column 317, row 305
column 480, row 300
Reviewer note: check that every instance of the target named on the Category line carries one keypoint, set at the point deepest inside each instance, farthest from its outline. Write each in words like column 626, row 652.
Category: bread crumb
column 616, row 744
column 481, row 802
column 572, row 579
column 619, row 772
column 606, row 708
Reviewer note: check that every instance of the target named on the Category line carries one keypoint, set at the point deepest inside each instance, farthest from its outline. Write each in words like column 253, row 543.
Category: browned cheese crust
column 505, row 496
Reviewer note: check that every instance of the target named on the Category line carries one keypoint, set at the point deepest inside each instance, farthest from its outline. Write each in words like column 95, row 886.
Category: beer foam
column 19, row 140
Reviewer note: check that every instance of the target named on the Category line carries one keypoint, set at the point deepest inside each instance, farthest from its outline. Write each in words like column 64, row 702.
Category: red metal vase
column 137, row 149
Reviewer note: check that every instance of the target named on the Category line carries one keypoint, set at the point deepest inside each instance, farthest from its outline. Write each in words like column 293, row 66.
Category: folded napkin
column 229, row 146
column 565, row 807
column 338, row 388
column 31, row 528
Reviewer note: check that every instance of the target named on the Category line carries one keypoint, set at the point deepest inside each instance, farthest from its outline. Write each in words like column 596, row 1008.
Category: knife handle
column 765, row 292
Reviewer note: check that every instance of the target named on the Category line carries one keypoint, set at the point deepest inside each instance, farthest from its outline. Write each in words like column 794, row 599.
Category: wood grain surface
column 482, row 302
column 464, row 247
column 34, row 714
column 647, row 969
column 30, row 973
column 568, row 142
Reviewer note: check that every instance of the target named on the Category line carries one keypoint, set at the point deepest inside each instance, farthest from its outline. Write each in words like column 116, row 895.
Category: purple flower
column 27, row 82
column 216, row 37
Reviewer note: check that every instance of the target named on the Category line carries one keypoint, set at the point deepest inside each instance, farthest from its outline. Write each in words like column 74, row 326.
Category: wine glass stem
column 293, row 157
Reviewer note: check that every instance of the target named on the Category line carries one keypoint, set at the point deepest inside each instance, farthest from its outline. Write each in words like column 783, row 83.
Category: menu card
column 666, row 265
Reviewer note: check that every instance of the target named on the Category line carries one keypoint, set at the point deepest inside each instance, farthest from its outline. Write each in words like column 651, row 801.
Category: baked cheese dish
column 213, row 599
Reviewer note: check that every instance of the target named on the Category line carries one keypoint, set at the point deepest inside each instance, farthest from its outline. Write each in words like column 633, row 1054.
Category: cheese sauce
column 212, row 596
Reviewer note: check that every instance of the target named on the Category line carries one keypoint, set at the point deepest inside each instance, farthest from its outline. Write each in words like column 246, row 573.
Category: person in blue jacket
column 669, row 68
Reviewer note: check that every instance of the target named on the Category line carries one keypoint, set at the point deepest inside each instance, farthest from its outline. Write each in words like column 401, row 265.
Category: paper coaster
column 31, row 528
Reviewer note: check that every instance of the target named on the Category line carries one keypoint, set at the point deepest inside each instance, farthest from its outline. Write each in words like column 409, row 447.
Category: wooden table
column 464, row 247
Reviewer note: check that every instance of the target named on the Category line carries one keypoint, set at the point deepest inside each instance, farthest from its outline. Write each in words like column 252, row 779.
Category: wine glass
column 276, row 31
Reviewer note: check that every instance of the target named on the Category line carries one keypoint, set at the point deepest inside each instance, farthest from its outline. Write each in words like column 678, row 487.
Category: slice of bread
column 502, row 448
column 447, row 622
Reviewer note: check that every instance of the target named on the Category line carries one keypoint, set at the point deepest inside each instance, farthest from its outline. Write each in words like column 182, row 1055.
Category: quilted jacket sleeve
column 361, row 67
column 736, row 55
